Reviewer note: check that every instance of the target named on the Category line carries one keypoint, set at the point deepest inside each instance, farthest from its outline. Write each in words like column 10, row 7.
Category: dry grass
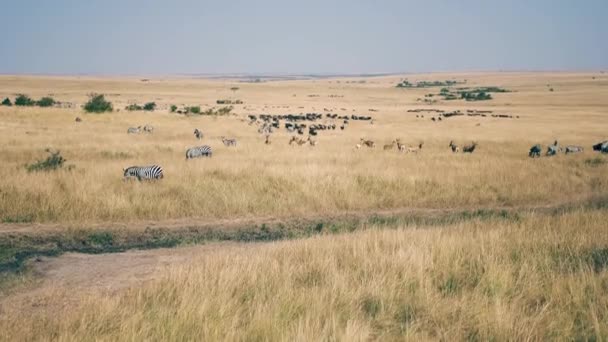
column 533, row 278
column 280, row 180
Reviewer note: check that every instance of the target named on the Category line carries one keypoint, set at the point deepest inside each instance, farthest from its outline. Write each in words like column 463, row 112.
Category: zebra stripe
column 198, row 151
column 229, row 142
column 134, row 130
column 144, row 172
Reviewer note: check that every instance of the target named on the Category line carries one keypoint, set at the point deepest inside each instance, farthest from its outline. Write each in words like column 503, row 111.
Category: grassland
column 285, row 181
column 344, row 244
column 530, row 277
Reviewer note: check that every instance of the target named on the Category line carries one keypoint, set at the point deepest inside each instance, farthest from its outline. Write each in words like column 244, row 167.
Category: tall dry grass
column 530, row 277
column 255, row 179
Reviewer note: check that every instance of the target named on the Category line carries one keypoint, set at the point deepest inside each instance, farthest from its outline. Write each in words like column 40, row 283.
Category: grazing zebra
column 469, row 148
column 573, row 149
column 198, row 134
column 553, row 149
column 198, row 151
column 134, row 130
column 535, row 151
column 148, row 129
column 454, row 147
column 229, row 142
column 143, row 172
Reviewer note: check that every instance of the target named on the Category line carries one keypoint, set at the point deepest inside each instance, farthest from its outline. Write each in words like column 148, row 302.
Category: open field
column 433, row 245
column 279, row 180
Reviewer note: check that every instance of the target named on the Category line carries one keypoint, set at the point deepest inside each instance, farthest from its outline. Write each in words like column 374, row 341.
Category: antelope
column 368, row 143
column 312, row 142
column 415, row 149
column 454, row 147
column 390, row 146
column 400, row 146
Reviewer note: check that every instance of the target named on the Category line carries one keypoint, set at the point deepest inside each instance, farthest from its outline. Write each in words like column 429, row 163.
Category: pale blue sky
column 274, row 36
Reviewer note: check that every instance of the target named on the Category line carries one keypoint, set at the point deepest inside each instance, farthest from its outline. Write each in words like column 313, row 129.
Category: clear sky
column 281, row 36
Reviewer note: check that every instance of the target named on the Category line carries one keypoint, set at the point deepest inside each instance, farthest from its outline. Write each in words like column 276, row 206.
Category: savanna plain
column 268, row 240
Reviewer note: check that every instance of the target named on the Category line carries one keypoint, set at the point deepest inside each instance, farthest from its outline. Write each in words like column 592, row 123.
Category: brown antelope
column 390, row 146
column 368, row 143
column 400, row 146
column 454, row 147
column 415, row 149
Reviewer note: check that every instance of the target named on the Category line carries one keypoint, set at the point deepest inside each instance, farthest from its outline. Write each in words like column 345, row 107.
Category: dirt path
column 98, row 273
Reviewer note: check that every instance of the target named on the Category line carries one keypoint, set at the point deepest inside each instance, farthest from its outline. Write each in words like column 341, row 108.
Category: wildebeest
column 469, row 148
column 553, row 149
column 573, row 149
column 535, row 151
column 602, row 146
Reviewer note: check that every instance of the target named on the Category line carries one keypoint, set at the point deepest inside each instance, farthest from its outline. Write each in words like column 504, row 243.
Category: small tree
column 7, row 102
column 98, row 104
column 173, row 108
column 195, row 109
column 150, row 106
column 52, row 162
column 46, row 102
column 24, row 100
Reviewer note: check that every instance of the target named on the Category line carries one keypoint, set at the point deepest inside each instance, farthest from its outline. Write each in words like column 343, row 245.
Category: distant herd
column 267, row 123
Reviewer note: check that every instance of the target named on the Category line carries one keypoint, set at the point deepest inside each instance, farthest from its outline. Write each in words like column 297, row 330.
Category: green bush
column 52, row 162
column 7, row 102
column 98, row 104
column 194, row 109
column 24, row 100
column 46, row 102
column 150, row 106
column 173, row 108
column 133, row 107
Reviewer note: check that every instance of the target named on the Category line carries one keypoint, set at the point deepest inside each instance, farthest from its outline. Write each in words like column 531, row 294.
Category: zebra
column 553, row 149
column 573, row 149
column 143, row 172
column 134, row 130
column 454, row 147
column 469, row 148
column 148, row 128
column 198, row 134
column 535, row 151
column 198, row 151
column 229, row 142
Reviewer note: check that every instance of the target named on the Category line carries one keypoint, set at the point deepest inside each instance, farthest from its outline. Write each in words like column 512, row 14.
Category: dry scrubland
column 286, row 181
column 489, row 275
column 524, row 277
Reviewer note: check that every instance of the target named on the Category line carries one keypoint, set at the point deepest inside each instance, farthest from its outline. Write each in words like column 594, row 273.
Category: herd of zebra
column 154, row 172
column 555, row 148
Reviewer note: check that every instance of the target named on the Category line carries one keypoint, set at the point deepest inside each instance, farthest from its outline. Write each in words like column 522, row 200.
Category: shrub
column 150, row 106
column 173, row 108
column 134, row 106
column 98, row 104
column 7, row 102
column 46, row 102
column 24, row 100
column 52, row 162
column 194, row 109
